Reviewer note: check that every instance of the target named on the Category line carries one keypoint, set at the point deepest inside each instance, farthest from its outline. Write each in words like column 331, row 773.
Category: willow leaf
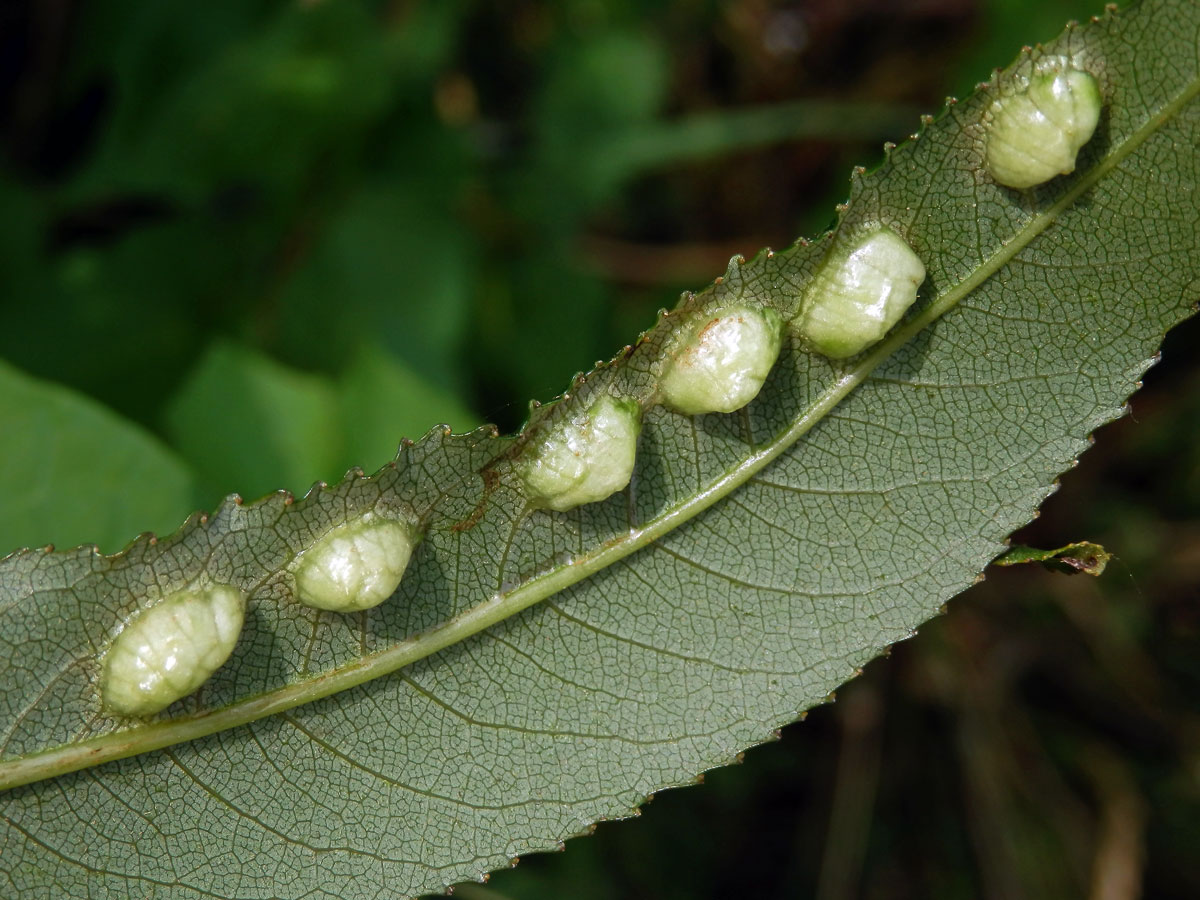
column 539, row 671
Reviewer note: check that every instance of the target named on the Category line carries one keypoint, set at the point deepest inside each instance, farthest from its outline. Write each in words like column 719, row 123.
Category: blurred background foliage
column 249, row 244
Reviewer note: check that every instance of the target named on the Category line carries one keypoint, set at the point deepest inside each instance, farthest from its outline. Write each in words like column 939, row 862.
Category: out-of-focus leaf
column 257, row 110
column 595, row 87
column 244, row 420
column 383, row 400
column 394, row 262
column 524, row 318
column 622, row 153
column 71, row 471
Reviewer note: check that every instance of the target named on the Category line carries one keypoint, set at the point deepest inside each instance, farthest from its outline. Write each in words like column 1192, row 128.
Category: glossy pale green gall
column 583, row 459
column 720, row 365
column 355, row 566
column 860, row 291
column 1036, row 134
column 167, row 651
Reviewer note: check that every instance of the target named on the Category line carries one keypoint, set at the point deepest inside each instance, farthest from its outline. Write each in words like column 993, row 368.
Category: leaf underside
column 710, row 603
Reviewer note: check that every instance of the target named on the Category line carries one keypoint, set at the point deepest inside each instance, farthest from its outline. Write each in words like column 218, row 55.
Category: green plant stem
column 708, row 134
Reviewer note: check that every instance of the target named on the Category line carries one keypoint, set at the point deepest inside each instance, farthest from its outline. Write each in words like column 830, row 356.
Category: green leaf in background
column 381, row 399
column 72, row 472
column 605, row 83
column 757, row 562
column 394, row 257
column 244, row 420
column 256, row 108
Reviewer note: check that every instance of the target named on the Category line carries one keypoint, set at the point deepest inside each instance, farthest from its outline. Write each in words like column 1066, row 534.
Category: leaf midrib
column 502, row 605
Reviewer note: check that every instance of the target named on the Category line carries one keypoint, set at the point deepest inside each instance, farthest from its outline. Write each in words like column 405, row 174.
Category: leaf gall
column 167, row 651
column 584, row 459
column 720, row 365
column 859, row 292
column 355, row 566
column 1035, row 134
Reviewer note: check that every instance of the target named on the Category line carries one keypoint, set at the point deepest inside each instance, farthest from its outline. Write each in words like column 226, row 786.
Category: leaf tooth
column 315, row 489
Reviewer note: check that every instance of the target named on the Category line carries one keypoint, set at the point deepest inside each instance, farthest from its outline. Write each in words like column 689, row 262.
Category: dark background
column 458, row 204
